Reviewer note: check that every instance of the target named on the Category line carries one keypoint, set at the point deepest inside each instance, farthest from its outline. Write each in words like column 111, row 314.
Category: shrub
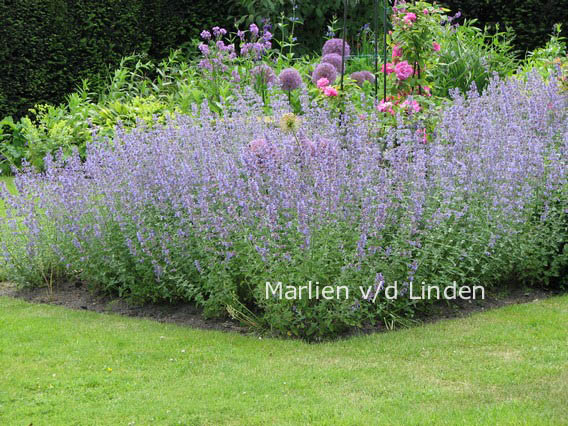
column 531, row 20
column 49, row 46
column 193, row 211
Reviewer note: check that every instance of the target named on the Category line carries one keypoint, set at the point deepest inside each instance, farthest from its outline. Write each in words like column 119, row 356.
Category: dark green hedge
column 532, row 20
column 48, row 46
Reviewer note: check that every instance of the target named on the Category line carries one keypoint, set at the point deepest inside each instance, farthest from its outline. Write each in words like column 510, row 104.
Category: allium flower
column 436, row 47
column 205, row 35
column 396, row 51
column 361, row 76
column 253, row 29
column 322, row 82
column 330, row 91
column 216, row 31
column 324, row 70
column 390, row 68
column 333, row 59
column 257, row 146
column 241, row 34
column 403, row 70
column 267, row 35
column 263, row 74
column 335, row 45
column 289, row 123
column 222, row 31
column 290, row 79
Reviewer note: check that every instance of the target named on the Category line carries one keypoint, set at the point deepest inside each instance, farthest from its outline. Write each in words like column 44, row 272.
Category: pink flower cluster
column 403, row 70
column 323, row 84
column 386, row 107
column 411, row 106
column 409, row 18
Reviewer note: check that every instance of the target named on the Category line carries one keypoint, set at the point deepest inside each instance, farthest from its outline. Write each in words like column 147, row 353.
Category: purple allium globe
column 324, row 70
column 361, row 77
column 333, row 59
column 335, row 45
column 263, row 74
column 290, row 79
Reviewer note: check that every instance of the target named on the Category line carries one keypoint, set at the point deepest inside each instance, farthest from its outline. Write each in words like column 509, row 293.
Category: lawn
column 62, row 367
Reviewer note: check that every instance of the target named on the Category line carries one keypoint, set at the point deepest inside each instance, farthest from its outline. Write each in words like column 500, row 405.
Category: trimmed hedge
column 48, row 46
column 532, row 20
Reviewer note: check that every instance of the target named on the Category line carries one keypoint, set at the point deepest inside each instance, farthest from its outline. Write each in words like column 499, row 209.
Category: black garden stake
column 343, row 46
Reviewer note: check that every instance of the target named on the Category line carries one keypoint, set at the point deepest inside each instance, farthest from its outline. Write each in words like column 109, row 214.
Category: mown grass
column 62, row 367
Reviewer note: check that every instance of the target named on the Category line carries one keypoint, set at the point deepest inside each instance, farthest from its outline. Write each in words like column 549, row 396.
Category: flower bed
column 209, row 210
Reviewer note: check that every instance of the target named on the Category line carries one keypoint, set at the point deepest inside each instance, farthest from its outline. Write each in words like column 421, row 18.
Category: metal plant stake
column 343, row 46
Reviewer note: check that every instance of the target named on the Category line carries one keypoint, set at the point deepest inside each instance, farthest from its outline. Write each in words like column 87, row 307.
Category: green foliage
column 313, row 16
column 472, row 55
column 550, row 59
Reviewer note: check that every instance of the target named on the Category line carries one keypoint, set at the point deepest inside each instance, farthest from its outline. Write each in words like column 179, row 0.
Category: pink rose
column 396, row 51
column 385, row 107
column 436, row 47
column 390, row 68
column 403, row 70
column 330, row 91
column 322, row 83
column 409, row 18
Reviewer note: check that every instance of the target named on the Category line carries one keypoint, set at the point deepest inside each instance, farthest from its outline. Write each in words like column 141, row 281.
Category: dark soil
column 77, row 296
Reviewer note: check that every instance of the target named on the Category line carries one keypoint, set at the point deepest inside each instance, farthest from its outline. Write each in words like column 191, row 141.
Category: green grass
column 64, row 367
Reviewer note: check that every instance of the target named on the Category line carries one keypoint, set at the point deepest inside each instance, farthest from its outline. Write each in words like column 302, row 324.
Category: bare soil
column 79, row 297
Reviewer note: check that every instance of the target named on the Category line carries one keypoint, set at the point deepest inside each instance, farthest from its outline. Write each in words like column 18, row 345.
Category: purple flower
column 335, row 45
column 324, row 70
column 290, row 79
column 253, row 29
column 263, row 74
column 236, row 76
column 333, row 59
column 361, row 76
column 205, row 35
column 204, row 49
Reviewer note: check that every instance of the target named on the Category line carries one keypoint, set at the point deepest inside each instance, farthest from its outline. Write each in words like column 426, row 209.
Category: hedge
column 48, row 46
column 532, row 20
